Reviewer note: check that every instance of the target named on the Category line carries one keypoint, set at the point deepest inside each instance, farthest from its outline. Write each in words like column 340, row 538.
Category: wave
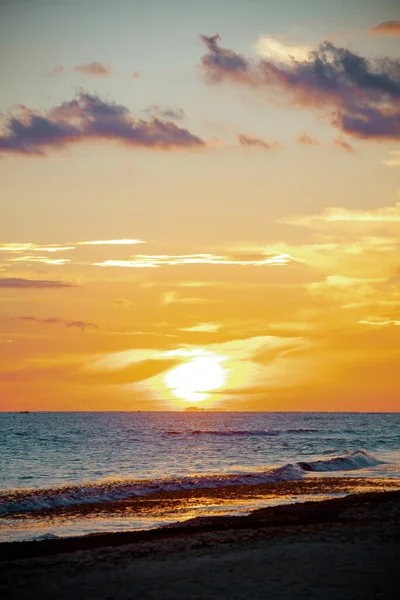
column 241, row 432
column 358, row 459
column 30, row 500
column 111, row 491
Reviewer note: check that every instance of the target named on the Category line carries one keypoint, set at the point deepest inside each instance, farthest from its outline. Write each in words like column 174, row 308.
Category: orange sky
column 179, row 229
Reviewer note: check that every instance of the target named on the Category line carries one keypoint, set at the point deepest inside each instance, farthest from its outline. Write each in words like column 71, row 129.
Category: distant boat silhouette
column 24, row 412
column 193, row 408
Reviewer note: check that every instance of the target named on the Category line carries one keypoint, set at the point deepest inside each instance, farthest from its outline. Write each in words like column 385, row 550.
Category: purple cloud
column 219, row 62
column 87, row 117
column 16, row 282
column 94, row 69
column 81, row 325
column 253, row 142
column 359, row 96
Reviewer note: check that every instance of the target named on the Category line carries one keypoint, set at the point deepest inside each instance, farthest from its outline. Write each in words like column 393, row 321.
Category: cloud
column 87, row 118
column 271, row 48
column 32, row 253
column 380, row 323
column 40, row 259
column 16, row 282
column 360, row 97
column 252, row 142
column 154, row 260
column 393, row 162
column 385, row 214
column 341, row 143
column 81, row 325
column 260, row 349
column 307, row 140
column 30, row 247
column 203, row 328
column 94, row 69
column 122, row 242
column 386, row 28
column 220, row 63
column 176, row 114
column 56, row 71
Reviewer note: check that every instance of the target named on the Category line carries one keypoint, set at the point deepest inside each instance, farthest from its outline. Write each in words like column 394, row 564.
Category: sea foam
column 18, row 501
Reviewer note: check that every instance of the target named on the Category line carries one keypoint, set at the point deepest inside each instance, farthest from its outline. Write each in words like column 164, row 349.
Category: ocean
column 68, row 474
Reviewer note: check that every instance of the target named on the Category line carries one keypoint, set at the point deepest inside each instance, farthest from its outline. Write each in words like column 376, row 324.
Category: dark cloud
column 81, row 325
column 15, row 282
column 359, row 96
column 31, row 135
column 386, row 28
column 219, row 62
column 94, row 69
column 341, row 143
column 252, row 142
column 87, row 117
column 307, row 140
column 176, row 114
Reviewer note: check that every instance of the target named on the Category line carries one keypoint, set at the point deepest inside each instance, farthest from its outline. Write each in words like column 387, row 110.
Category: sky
column 200, row 205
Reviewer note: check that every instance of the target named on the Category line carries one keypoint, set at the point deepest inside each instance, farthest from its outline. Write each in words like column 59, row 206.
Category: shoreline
column 338, row 548
column 305, row 513
column 178, row 507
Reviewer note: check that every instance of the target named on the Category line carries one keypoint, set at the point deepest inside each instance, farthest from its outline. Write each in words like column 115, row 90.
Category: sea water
column 57, row 461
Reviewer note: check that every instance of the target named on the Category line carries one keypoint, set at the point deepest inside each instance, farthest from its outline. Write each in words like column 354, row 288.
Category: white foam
column 110, row 491
column 358, row 459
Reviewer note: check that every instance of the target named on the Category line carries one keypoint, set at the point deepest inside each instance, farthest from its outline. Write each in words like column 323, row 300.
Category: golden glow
column 194, row 380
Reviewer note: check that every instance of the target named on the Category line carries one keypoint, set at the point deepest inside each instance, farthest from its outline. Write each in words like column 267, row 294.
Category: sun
column 194, row 380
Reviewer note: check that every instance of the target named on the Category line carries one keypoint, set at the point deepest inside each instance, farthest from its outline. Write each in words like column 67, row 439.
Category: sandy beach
column 342, row 548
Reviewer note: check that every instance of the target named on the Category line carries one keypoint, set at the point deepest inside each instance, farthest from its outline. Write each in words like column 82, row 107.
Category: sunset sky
column 200, row 205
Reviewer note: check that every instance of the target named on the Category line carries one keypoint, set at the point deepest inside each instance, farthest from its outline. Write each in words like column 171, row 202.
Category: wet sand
column 345, row 548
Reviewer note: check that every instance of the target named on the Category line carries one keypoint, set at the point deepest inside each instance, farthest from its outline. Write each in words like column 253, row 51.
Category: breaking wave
column 29, row 500
column 359, row 459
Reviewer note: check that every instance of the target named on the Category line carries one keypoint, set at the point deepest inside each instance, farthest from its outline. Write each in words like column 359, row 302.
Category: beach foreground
column 342, row 548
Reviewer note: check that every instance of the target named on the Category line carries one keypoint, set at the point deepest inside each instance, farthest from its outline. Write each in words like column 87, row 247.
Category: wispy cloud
column 81, row 325
column 152, row 261
column 30, row 247
column 385, row 214
column 394, row 161
column 341, row 143
column 175, row 298
column 253, row 142
column 386, row 28
column 88, row 118
column 122, row 242
column 379, row 323
column 363, row 96
column 94, row 69
column 29, row 252
column 39, row 259
column 56, row 71
column 177, row 114
column 203, row 328
column 16, row 282
column 307, row 140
